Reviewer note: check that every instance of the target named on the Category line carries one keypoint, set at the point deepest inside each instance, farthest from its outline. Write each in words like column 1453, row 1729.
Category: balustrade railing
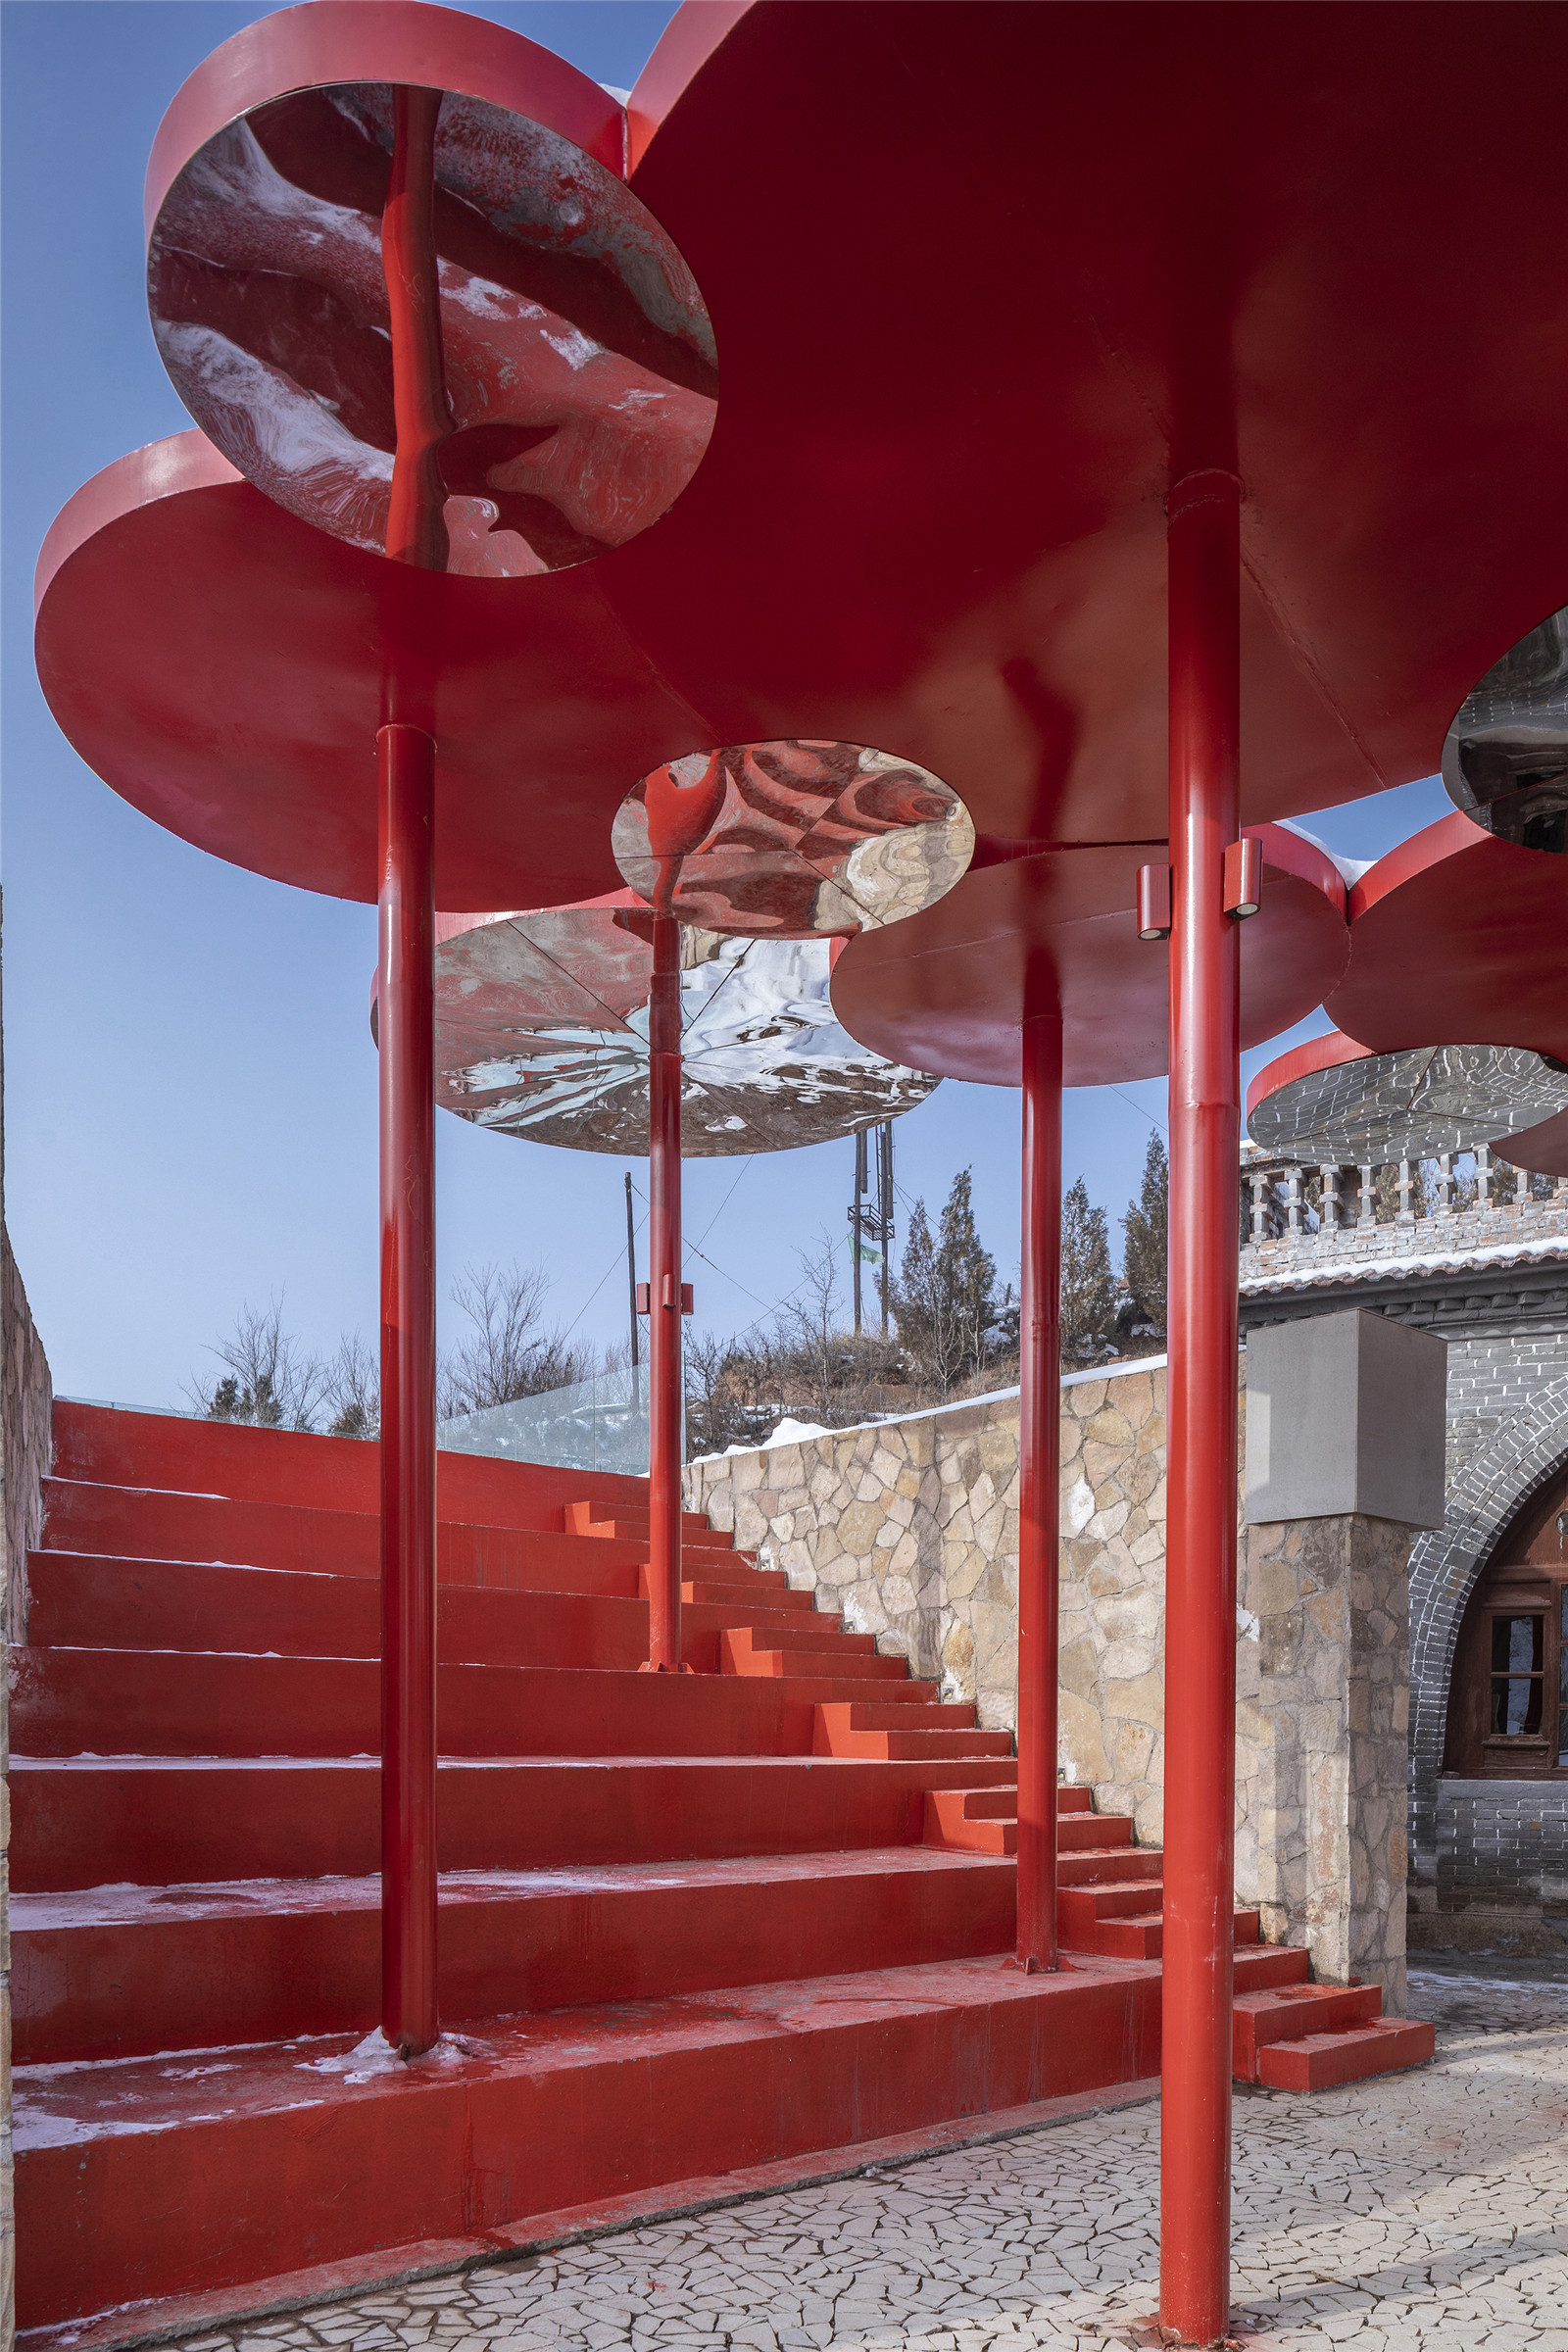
column 1462, row 1199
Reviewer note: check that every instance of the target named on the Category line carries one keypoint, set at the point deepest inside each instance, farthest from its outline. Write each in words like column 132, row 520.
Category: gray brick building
column 1480, row 1256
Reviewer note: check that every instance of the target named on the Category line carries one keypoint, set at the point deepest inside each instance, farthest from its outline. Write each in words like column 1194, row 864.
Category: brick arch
column 1496, row 1483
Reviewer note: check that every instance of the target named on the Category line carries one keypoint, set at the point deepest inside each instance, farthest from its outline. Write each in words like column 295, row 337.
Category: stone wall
column 1322, row 1725
column 26, row 1407
column 27, row 1413
column 910, row 1528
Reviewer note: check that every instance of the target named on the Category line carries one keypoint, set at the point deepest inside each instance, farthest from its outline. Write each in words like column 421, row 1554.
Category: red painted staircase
column 690, row 1925
column 1289, row 2035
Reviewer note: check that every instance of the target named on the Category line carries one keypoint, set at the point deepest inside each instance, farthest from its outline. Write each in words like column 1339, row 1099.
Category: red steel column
column 1039, row 1498
column 415, row 534
column 406, row 1026
column 1200, row 1526
column 664, row 1449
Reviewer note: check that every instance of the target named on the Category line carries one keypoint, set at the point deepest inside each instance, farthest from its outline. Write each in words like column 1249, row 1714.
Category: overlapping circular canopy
column 542, row 1032
column 954, row 400
column 951, row 988
column 1506, row 756
column 578, row 360
column 786, row 840
column 1331, row 1104
column 1461, row 936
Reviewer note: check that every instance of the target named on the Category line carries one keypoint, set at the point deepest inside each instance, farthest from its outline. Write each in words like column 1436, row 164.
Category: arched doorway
column 1508, row 1696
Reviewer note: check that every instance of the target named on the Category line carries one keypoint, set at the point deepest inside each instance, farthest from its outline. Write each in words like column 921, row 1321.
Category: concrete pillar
column 1344, row 1463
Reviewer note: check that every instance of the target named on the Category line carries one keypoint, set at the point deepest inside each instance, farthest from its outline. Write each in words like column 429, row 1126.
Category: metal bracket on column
column 1244, row 876
column 687, row 1303
column 1153, row 902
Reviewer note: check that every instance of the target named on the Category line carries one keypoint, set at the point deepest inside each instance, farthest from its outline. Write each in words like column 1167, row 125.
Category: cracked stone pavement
column 1426, row 2209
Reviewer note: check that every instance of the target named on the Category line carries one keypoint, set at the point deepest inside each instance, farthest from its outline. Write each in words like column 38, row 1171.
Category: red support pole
column 1038, row 1503
column 665, row 1426
column 406, row 1028
column 415, row 530
column 1201, row 1525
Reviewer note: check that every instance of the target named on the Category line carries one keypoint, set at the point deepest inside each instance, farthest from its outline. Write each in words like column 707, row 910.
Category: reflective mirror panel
column 1505, row 758
column 1410, row 1105
column 542, row 1032
column 578, row 359
column 791, row 838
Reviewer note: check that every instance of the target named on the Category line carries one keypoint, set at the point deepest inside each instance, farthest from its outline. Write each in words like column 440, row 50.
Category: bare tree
column 808, row 1323
column 352, row 1392
column 509, row 1351
column 269, row 1380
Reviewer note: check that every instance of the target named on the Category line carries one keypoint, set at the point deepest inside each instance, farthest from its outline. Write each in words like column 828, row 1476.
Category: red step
column 84, row 1600
column 1324, row 2061
column 860, row 1728
column 811, row 1651
column 71, row 1702
column 181, row 1453
column 124, row 1523
column 159, row 1821
column 139, row 2179
column 114, row 1972
column 1260, row 2019
column 608, row 1515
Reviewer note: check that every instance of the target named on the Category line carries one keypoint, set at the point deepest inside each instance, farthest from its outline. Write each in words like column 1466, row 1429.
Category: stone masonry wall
column 910, row 1528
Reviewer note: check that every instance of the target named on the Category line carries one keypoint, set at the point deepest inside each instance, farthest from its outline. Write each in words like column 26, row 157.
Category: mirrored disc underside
column 578, row 359
column 793, row 838
column 531, row 1051
column 1410, row 1105
column 1505, row 759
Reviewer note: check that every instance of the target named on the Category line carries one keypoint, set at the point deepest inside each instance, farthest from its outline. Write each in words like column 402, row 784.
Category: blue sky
column 190, row 1086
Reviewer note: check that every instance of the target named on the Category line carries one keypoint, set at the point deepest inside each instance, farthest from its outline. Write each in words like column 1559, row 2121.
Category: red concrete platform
column 150, row 2176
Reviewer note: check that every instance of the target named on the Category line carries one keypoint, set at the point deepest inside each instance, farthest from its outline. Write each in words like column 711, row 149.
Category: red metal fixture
column 1201, row 1526
column 1039, row 1504
column 407, row 758
column 664, row 1449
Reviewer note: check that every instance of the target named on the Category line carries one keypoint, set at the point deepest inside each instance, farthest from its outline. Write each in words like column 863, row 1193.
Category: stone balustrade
column 1295, row 1216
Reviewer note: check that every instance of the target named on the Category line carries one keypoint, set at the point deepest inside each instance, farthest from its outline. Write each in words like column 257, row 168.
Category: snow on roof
column 1429, row 1261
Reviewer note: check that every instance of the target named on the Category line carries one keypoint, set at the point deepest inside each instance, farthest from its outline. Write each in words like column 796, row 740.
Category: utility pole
column 631, row 1287
column 855, row 1219
column 884, row 1171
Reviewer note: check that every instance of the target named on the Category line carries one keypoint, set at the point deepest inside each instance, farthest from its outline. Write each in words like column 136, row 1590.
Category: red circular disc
column 573, row 351
column 1457, row 936
column 541, row 1032
column 1329, row 1102
column 949, row 990
column 226, row 667
column 1044, row 272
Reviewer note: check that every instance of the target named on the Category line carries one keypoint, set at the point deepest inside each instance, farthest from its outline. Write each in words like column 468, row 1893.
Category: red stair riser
column 246, row 2195
column 112, row 1447
column 1108, row 1869
column 1324, row 2062
column 99, row 1824
column 1076, row 1830
column 120, row 1523
column 162, row 1702
column 1124, row 1901
column 82, row 1600
column 1261, row 1967
column 914, row 1744
column 847, row 1665
column 115, row 1990
column 1260, row 2019
column 819, row 1631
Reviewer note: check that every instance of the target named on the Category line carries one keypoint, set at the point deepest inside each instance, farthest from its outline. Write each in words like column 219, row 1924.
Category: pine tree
column 1088, row 1291
column 1144, row 1229
column 945, row 1296
column 967, row 1275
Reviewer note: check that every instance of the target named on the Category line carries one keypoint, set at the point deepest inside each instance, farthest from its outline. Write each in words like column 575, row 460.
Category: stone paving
column 1427, row 2209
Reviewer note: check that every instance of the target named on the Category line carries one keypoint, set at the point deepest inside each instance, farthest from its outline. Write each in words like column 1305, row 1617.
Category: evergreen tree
column 1144, row 1229
column 1087, row 1291
column 945, row 1296
column 967, row 1274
